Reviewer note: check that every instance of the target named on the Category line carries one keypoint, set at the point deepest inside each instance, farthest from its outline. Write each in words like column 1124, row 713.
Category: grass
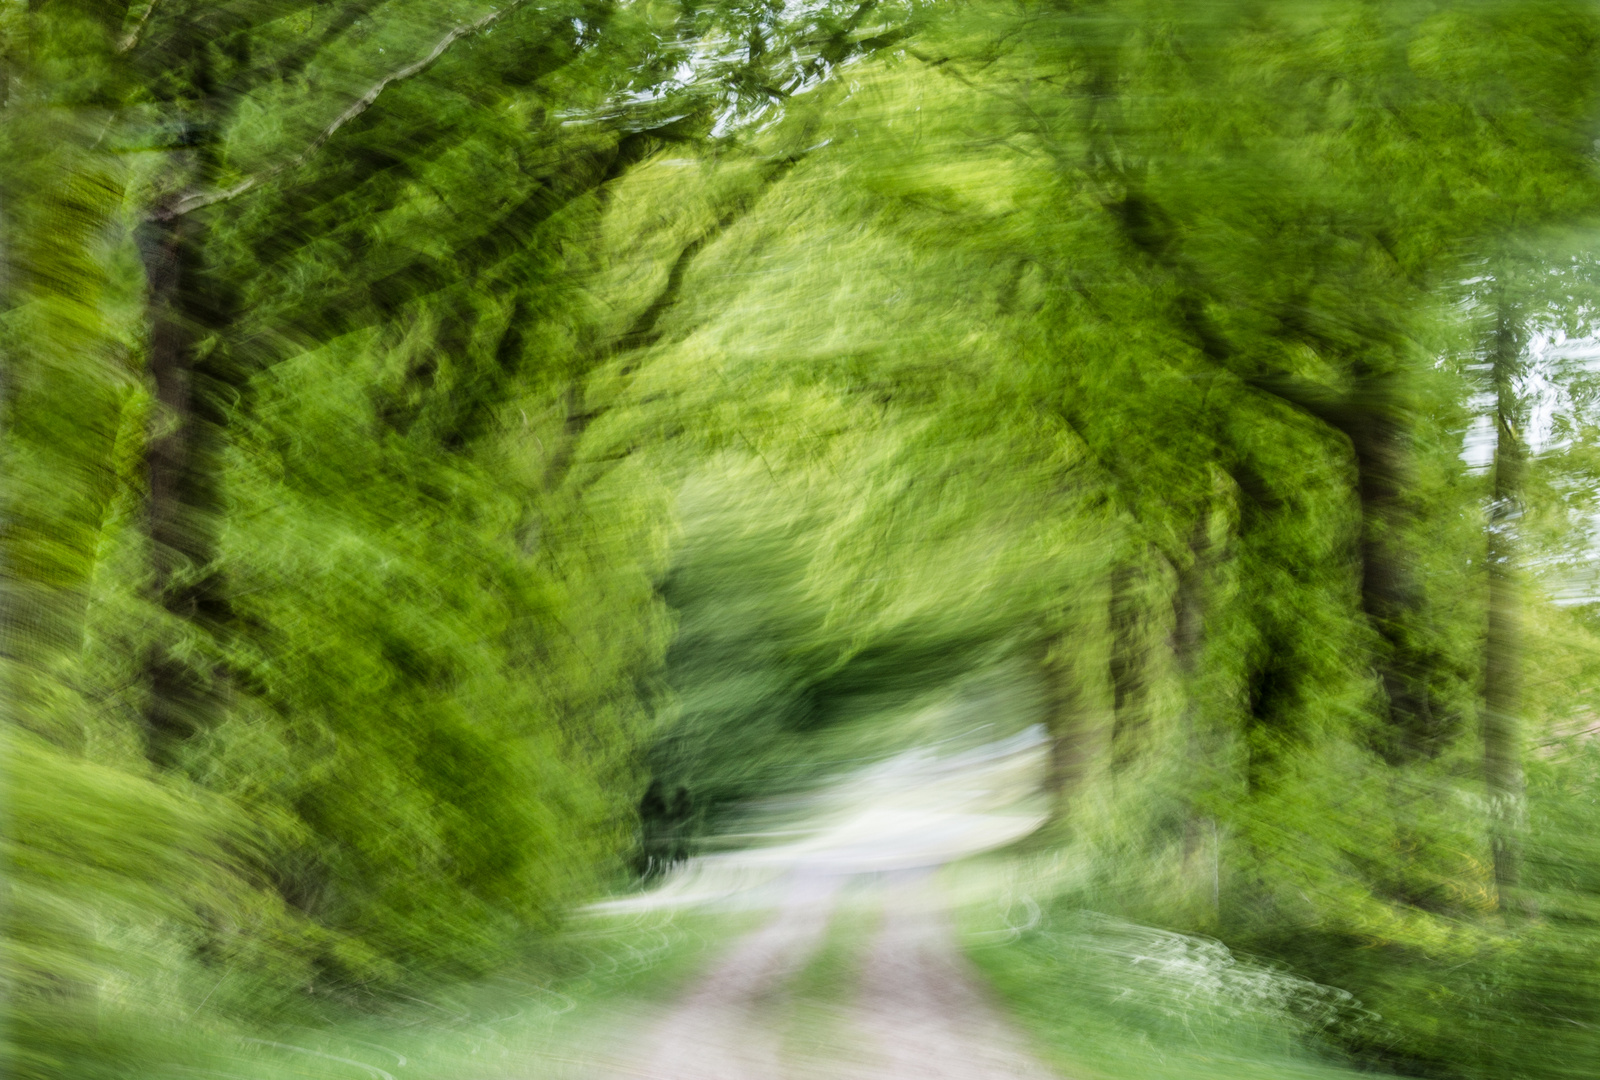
column 1105, row 999
column 530, row 1019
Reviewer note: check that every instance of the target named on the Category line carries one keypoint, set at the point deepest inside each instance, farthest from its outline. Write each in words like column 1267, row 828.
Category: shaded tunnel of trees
column 454, row 455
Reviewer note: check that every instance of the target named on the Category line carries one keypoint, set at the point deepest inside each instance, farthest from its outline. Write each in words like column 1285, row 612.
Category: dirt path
column 921, row 1009
column 914, row 1011
column 913, row 1008
column 729, row 1026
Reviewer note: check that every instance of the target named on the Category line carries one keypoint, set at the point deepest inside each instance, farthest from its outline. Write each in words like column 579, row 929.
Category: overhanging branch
column 200, row 199
column 131, row 38
column 1336, row 411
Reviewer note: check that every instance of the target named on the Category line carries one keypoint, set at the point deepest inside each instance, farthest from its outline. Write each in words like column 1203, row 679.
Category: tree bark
column 1391, row 595
column 1067, row 721
column 1186, row 643
column 1126, row 665
column 1502, row 735
column 182, row 463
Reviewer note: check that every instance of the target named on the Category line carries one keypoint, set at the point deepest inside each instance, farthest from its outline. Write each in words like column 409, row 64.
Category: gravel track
column 915, row 1010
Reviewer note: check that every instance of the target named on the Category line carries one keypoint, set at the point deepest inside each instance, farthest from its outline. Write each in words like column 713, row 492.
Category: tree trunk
column 182, row 461
column 1077, row 703
column 1067, row 721
column 1373, row 421
column 1502, row 752
column 1186, row 642
column 1127, row 665
column 1391, row 595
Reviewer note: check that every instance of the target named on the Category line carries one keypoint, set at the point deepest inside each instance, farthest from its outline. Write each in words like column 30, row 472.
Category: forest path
column 906, row 1004
column 919, row 1009
column 908, row 1008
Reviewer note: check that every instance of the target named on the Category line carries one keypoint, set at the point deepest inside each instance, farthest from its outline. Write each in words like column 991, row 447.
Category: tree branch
column 645, row 331
column 200, row 199
column 1336, row 411
column 131, row 38
column 297, row 61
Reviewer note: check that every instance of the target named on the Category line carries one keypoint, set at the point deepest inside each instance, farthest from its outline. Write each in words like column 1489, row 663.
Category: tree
column 1502, row 693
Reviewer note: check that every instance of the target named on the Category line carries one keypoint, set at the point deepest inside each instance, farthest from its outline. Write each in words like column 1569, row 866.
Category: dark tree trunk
column 1502, row 751
column 1186, row 642
column 1127, row 664
column 1372, row 419
column 1068, row 722
column 182, row 460
column 1391, row 594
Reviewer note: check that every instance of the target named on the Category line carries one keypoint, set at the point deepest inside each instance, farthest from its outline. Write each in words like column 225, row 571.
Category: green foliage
column 1149, row 1003
column 1202, row 285
column 436, row 437
column 319, row 681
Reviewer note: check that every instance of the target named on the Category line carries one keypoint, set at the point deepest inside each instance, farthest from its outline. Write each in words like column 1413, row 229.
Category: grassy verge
column 1106, row 999
column 531, row 1019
